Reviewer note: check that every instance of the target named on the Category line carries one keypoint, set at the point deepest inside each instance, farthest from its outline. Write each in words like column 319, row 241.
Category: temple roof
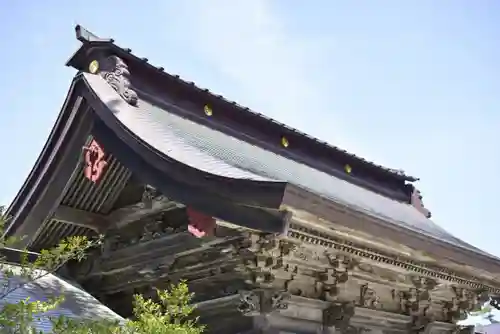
column 90, row 40
column 219, row 154
column 167, row 141
column 77, row 303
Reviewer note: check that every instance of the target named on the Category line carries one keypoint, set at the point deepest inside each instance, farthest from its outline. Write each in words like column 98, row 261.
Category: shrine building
column 274, row 230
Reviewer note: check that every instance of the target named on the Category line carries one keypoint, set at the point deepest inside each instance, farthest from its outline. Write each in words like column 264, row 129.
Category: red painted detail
column 200, row 225
column 95, row 161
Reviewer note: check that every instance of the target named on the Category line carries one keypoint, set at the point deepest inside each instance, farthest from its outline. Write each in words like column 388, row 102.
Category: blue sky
column 408, row 84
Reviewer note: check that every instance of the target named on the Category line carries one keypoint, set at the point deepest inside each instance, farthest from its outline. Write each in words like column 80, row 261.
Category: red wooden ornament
column 200, row 225
column 95, row 161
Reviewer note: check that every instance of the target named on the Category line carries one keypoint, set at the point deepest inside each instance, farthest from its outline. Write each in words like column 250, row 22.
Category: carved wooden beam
column 116, row 219
column 127, row 215
column 338, row 315
column 82, row 218
column 261, row 301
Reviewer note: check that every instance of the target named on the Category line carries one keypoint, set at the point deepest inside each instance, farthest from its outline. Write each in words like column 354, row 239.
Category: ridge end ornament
column 116, row 73
column 95, row 160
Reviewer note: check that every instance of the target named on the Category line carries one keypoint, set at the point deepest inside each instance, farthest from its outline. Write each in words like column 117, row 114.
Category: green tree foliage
column 171, row 314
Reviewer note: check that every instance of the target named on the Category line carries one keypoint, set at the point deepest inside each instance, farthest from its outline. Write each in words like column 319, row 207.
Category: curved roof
column 90, row 41
column 219, row 154
column 233, row 179
column 227, row 198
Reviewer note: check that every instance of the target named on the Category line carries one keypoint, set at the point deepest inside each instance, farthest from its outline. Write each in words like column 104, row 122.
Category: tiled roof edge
column 89, row 40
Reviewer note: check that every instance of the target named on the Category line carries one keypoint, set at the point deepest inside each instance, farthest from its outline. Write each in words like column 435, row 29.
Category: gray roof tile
column 220, row 154
column 77, row 304
column 88, row 38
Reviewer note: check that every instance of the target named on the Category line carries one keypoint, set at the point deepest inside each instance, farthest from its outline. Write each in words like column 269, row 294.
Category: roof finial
column 85, row 36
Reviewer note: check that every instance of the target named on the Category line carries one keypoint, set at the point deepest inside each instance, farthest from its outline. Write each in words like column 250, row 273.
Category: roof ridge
column 87, row 38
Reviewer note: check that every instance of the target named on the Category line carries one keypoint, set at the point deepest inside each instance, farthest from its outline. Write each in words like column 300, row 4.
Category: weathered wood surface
column 310, row 263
